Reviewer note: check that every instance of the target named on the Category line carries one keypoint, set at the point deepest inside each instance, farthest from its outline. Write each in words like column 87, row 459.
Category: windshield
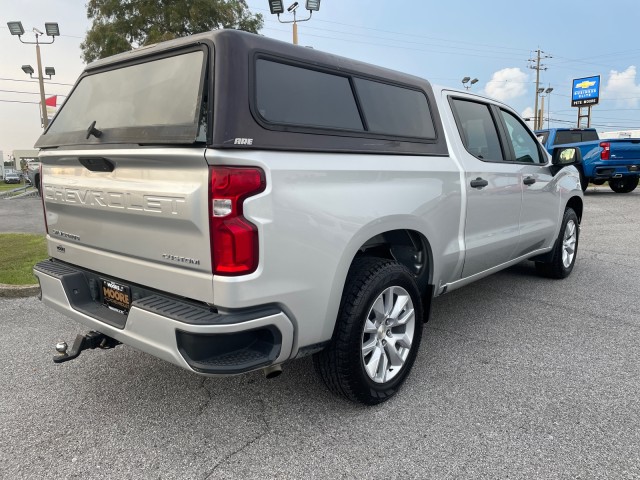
column 158, row 100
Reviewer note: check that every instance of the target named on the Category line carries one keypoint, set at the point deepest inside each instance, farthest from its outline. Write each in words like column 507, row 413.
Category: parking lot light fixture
column 276, row 7
column 15, row 28
column 541, row 116
column 467, row 82
column 52, row 29
column 28, row 69
column 50, row 71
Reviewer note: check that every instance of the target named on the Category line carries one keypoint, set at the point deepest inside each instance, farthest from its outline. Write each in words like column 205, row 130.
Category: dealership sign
column 585, row 91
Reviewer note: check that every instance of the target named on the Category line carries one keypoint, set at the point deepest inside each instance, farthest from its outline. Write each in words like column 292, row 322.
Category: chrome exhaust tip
column 272, row 371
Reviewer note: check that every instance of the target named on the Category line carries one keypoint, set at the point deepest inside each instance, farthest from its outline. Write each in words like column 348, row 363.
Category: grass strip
column 19, row 252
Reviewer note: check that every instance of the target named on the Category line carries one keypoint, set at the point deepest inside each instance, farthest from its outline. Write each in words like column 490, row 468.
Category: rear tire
column 624, row 184
column 565, row 250
column 377, row 333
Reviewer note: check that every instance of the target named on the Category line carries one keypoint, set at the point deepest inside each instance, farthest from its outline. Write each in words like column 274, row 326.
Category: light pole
column 540, row 117
column 277, row 7
column 16, row 28
column 548, row 92
column 467, row 82
column 537, row 118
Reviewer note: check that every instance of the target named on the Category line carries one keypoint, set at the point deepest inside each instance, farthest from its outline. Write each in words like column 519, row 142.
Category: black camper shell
column 265, row 94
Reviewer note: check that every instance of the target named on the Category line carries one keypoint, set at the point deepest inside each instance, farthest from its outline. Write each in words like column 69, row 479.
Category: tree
column 120, row 25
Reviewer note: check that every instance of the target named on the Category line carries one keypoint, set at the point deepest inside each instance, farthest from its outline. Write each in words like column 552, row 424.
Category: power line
column 309, row 27
column 19, row 101
column 586, row 62
column 35, row 81
column 397, row 46
column 31, row 93
column 446, row 40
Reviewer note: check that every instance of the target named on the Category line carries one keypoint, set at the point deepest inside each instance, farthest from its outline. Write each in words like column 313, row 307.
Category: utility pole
column 537, row 66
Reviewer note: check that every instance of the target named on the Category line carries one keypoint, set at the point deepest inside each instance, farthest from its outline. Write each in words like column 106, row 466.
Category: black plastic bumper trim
column 82, row 297
column 81, row 287
column 230, row 353
column 196, row 315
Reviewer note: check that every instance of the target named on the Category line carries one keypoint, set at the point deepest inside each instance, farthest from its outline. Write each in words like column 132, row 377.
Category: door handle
column 479, row 183
column 529, row 180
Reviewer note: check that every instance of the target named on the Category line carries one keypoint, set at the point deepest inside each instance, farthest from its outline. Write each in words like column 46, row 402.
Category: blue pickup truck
column 616, row 161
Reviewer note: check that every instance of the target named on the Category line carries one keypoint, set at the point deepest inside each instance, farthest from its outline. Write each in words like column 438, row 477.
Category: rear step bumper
column 185, row 334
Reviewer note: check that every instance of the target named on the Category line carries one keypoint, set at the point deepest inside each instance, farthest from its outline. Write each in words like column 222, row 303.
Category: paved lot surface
column 21, row 215
column 517, row 377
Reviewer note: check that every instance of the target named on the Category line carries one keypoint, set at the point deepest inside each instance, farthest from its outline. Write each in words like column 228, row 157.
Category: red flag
column 51, row 101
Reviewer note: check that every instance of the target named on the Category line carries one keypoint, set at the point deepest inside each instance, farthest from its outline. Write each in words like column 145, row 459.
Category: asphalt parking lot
column 517, row 377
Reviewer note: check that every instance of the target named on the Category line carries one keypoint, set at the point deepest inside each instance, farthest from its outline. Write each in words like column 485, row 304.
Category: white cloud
column 527, row 113
column 621, row 86
column 507, row 84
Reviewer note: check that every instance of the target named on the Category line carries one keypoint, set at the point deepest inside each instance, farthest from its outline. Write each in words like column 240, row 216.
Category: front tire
column 565, row 249
column 377, row 334
column 624, row 184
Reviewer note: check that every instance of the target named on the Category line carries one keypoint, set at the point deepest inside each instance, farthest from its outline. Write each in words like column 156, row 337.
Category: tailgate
column 625, row 149
column 139, row 215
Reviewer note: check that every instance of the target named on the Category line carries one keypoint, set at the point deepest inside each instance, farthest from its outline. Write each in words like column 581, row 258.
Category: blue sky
column 438, row 40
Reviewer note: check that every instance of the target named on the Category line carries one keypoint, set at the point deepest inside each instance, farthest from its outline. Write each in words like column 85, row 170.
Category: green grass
column 19, row 252
column 9, row 186
column 12, row 186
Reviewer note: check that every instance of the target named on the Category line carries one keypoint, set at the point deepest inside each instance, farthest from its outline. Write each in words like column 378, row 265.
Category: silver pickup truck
column 228, row 203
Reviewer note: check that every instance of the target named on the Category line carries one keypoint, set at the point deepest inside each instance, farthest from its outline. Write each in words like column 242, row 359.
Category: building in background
column 20, row 155
column 621, row 134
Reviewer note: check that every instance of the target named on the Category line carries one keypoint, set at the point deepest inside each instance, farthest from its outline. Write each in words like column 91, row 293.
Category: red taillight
column 606, row 150
column 234, row 240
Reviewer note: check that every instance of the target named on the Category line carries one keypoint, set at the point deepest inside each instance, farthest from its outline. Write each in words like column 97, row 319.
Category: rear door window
column 478, row 130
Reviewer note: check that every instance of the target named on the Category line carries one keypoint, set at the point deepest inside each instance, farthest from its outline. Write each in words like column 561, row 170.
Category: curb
column 18, row 291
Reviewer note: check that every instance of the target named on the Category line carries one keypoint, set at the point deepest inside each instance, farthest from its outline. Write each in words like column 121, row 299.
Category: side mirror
column 565, row 156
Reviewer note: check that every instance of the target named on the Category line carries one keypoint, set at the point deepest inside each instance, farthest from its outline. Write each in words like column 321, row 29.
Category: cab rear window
column 575, row 136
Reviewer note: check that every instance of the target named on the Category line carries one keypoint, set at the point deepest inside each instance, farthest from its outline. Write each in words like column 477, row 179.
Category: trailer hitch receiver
column 83, row 342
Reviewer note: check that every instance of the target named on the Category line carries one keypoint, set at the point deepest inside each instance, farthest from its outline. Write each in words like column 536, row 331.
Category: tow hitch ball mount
column 83, row 342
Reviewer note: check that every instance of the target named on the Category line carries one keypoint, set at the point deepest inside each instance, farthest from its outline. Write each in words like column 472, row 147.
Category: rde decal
column 243, row 141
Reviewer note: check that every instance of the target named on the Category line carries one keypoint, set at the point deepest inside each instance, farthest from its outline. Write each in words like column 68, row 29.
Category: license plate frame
column 116, row 296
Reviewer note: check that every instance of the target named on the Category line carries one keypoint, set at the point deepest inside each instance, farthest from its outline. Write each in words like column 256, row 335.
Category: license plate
column 116, row 296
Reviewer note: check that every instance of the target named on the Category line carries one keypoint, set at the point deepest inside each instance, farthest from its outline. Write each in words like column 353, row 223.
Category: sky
column 442, row 41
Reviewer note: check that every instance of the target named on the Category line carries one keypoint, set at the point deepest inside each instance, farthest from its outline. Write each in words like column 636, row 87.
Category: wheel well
column 407, row 247
column 576, row 204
